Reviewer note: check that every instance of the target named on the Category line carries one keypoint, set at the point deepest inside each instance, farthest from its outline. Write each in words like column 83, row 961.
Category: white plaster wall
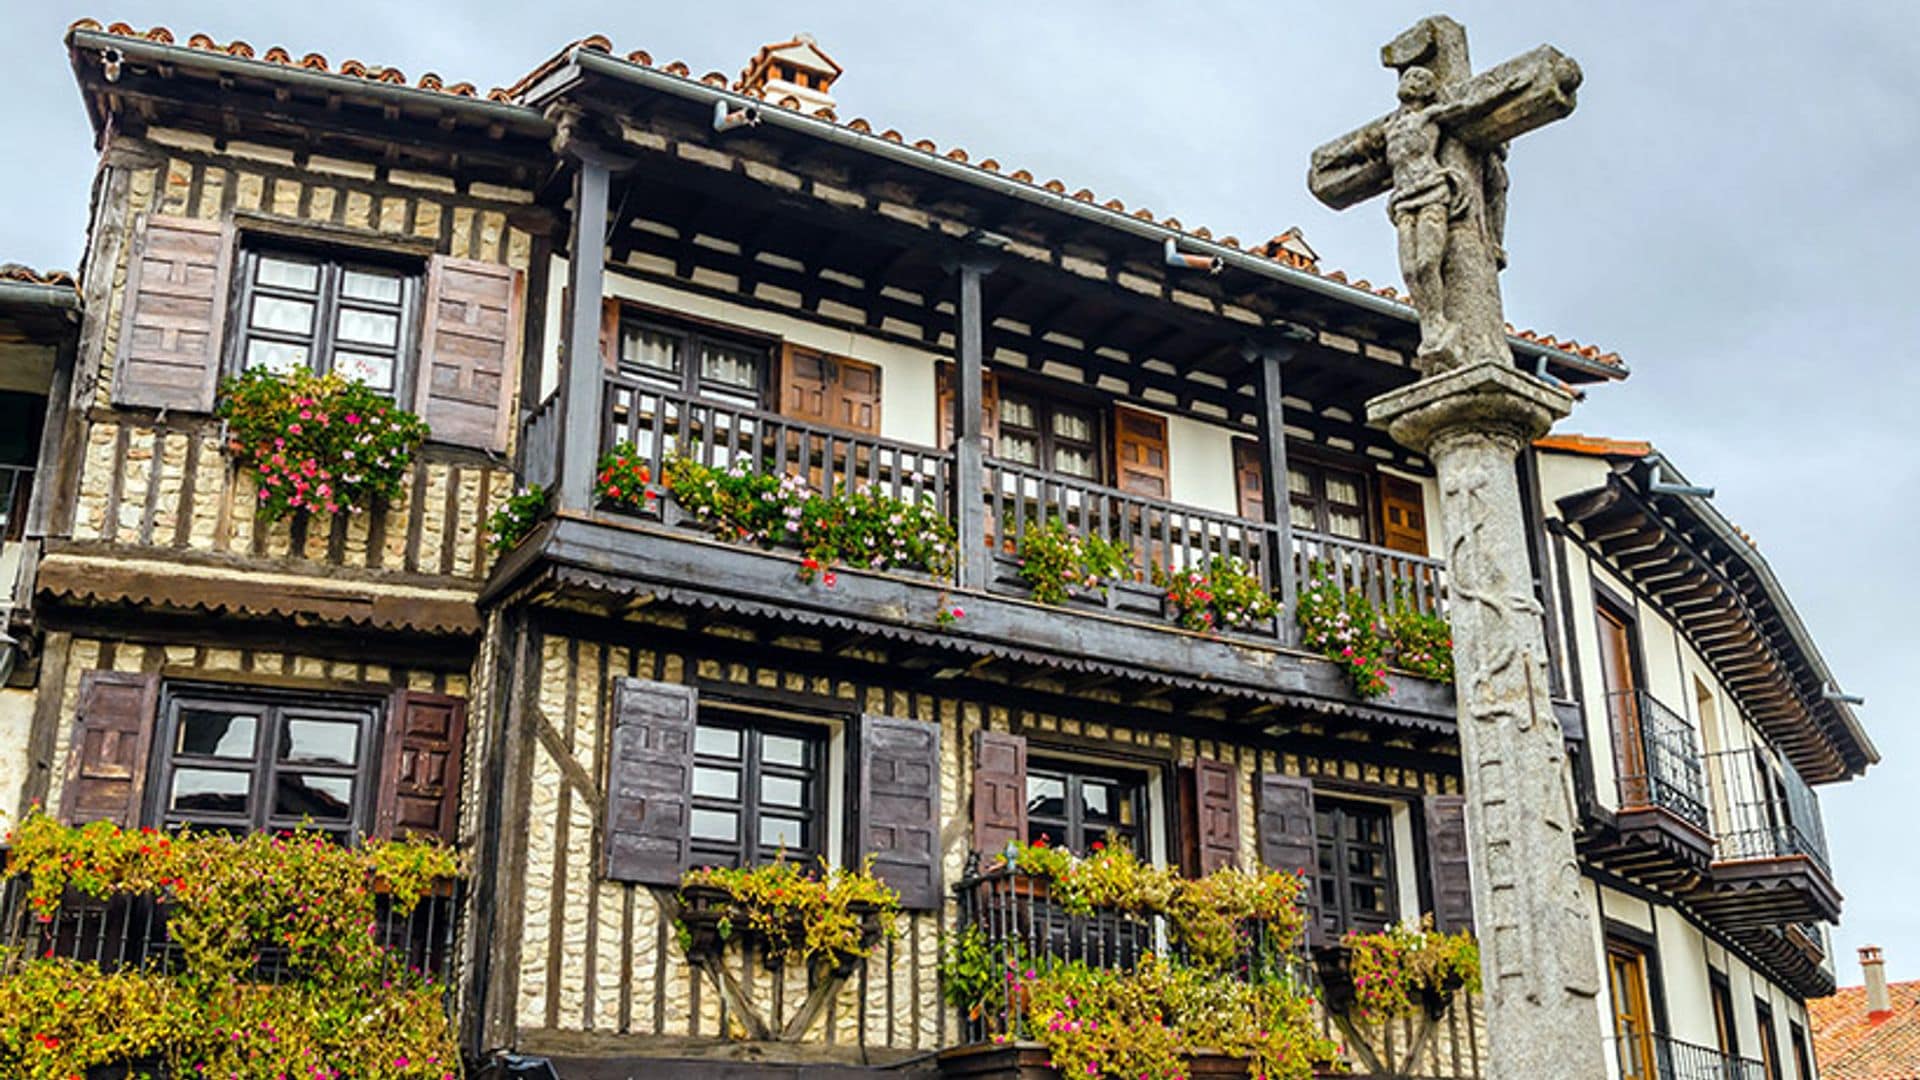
column 1683, row 977
column 16, row 722
column 1622, row 908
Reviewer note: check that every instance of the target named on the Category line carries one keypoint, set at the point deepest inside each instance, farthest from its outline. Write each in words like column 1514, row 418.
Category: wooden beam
column 969, row 463
column 582, row 376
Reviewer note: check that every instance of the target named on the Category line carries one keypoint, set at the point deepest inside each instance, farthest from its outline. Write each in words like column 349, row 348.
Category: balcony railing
column 1657, row 1057
column 1656, row 758
column 1768, row 811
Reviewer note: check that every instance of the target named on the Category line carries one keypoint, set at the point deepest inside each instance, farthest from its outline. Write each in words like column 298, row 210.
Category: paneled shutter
column 420, row 767
column 989, row 407
column 1288, row 839
column 176, row 307
column 1140, row 452
column 649, row 782
column 470, row 351
column 1213, row 788
column 999, row 790
column 610, row 333
column 1249, row 480
column 107, row 760
column 856, row 396
column 1447, row 862
column 805, row 390
column 900, row 806
column 1403, row 515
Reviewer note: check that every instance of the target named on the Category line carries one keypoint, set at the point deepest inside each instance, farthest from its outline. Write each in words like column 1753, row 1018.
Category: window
column 304, row 310
column 1632, row 1016
column 1053, row 436
column 1802, row 1061
column 1769, row 1044
column 694, row 361
column 1325, row 499
column 1726, row 1032
column 1356, row 866
column 1075, row 806
column 756, row 790
column 251, row 761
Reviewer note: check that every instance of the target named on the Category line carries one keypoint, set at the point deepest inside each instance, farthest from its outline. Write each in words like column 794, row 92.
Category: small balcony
column 1659, row 833
column 1658, row 1057
column 1770, row 864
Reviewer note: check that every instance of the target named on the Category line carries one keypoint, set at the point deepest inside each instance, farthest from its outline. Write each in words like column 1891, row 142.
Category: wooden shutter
column 900, row 806
column 1288, row 839
column 470, row 350
column 420, row 767
column 999, row 790
column 1249, row 480
column 176, row 307
column 805, row 391
column 649, row 782
column 989, row 407
column 107, row 760
column 856, row 396
column 1140, row 452
column 1447, row 862
column 1403, row 515
column 1210, row 803
column 610, row 333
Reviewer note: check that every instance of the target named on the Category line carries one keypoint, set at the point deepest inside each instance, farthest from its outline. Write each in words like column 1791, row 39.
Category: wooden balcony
column 1659, row 833
column 1770, row 863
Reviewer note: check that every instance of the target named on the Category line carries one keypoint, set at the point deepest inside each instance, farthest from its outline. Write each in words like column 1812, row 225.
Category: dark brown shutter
column 470, row 351
column 610, row 333
column 1249, row 480
column 1140, row 452
column 989, row 407
column 649, row 781
column 805, row 393
column 420, row 768
column 1403, row 515
column 1288, row 839
column 900, row 806
column 856, row 396
column 1210, row 805
column 107, row 760
column 999, row 790
column 1447, row 862
column 176, row 301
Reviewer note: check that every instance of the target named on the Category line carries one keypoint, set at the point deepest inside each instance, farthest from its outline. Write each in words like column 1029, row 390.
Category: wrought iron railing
column 1656, row 759
column 1767, row 810
column 16, row 487
column 1658, row 1057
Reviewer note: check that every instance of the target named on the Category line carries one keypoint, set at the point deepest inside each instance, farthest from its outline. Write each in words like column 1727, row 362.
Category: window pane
column 1050, row 833
column 215, row 733
column 1016, row 413
column 1046, row 795
column 729, row 365
column 778, row 832
column 783, row 791
column 371, row 285
column 646, row 348
column 1301, row 516
column 714, row 783
column 1073, row 425
column 717, row 742
column 287, row 274
column 209, row 791
column 1350, row 526
column 321, row 742
column 1096, row 801
column 368, row 327
column 783, row 750
column 722, row 825
column 1020, row 449
column 284, row 316
column 1073, row 461
column 1299, row 483
column 375, row 371
column 1343, row 488
column 276, row 356
column 322, row 798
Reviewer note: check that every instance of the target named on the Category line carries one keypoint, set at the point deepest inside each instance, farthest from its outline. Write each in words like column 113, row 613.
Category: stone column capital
column 1484, row 399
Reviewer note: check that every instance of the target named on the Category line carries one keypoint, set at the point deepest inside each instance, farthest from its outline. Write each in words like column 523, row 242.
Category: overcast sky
column 1732, row 208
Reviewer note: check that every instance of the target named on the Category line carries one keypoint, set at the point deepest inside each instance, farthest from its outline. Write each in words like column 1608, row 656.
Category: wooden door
column 1623, row 705
column 1403, row 515
column 1249, row 480
column 1632, row 1019
column 1140, row 453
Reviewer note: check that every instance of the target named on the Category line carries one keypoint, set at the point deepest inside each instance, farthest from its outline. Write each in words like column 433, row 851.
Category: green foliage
column 1346, row 626
column 1422, row 643
column 803, row 915
column 516, row 517
column 1057, row 558
column 1393, row 969
column 344, row 1007
column 974, row 970
column 318, row 442
column 624, row 480
column 1222, row 592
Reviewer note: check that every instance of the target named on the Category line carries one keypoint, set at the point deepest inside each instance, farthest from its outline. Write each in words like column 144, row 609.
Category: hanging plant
column 516, row 517
column 1402, row 971
column 825, row 915
column 1056, row 559
column 1421, row 642
column 624, row 480
column 1221, row 592
column 1342, row 625
column 318, row 442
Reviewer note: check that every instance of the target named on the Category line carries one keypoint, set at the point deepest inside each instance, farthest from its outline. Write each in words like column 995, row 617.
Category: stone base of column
column 1531, row 914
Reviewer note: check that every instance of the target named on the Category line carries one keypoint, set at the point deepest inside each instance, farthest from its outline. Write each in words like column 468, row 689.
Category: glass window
column 1051, row 435
column 729, row 369
column 1076, row 806
column 319, row 312
column 1325, row 499
column 243, row 761
column 1356, row 882
column 757, row 790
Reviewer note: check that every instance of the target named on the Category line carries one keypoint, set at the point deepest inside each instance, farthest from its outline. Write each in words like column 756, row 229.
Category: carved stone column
column 1534, row 924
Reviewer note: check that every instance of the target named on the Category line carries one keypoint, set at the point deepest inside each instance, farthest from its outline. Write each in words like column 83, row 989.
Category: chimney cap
column 1870, row 954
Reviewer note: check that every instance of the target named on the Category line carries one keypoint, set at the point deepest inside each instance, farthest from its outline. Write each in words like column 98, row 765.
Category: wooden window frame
column 333, row 262
column 1339, row 918
column 753, row 727
column 1316, row 466
column 262, row 766
column 1726, row 1023
column 1044, row 399
column 690, row 336
column 1640, row 1005
column 1136, row 785
column 1769, row 1039
column 1802, row 1052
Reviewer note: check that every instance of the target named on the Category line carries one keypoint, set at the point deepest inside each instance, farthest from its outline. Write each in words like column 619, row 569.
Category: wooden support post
column 1268, row 362
column 582, row 375
column 969, row 464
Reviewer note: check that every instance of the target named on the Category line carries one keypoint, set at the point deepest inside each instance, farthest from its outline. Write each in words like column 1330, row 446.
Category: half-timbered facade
column 614, row 254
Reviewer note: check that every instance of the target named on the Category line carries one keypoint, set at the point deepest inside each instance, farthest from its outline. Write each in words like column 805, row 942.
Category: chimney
column 1879, row 1007
column 795, row 73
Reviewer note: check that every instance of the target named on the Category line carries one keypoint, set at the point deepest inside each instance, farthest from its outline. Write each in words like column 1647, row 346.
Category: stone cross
column 1441, row 154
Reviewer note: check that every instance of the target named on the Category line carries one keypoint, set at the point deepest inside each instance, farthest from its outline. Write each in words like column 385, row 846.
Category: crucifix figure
column 1441, row 159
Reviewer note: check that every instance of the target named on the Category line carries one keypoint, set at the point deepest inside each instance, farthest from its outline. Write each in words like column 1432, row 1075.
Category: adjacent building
column 1870, row 1031
column 617, row 253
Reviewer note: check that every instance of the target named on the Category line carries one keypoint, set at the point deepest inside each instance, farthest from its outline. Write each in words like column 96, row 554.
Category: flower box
column 1334, row 966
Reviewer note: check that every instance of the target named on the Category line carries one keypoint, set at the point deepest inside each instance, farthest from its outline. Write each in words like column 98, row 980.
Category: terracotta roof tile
column 28, row 275
column 1594, row 445
column 1851, row 1045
